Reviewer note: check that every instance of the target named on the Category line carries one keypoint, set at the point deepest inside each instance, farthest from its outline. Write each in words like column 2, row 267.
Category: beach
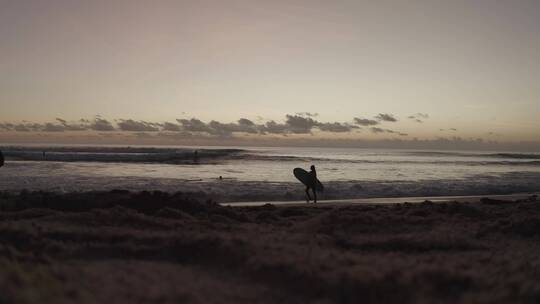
column 136, row 247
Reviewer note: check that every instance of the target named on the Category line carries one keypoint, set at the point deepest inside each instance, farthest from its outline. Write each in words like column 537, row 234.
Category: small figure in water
column 1, row 159
column 220, row 177
column 312, row 184
column 196, row 157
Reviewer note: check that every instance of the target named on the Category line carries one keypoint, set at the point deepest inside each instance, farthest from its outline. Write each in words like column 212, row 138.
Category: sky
column 264, row 71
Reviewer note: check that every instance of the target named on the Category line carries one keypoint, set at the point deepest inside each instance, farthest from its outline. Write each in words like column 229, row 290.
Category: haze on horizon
column 222, row 71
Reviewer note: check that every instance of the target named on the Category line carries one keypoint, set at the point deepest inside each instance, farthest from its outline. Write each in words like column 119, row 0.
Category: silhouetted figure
column 43, row 154
column 312, row 184
column 1, row 159
column 196, row 156
column 220, row 177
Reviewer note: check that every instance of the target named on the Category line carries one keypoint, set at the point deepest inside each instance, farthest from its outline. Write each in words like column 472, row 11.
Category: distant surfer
column 309, row 179
column 1, row 159
column 196, row 157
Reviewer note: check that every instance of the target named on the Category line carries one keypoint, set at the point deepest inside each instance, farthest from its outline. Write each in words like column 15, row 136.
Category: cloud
column 215, row 128
column 100, row 124
column 418, row 117
column 49, row 127
column 33, row 126
column 307, row 114
column 273, row 127
column 246, row 122
column 299, row 125
column 21, row 128
column 381, row 130
column 450, row 129
column 194, row 125
column 168, row 126
column 335, row 127
column 222, row 129
column 73, row 127
column 7, row 126
column 137, row 126
column 61, row 125
column 294, row 124
column 247, row 126
column 377, row 130
column 365, row 122
column 386, row 117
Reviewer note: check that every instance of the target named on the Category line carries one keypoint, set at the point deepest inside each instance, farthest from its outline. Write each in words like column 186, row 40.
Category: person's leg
column 307, row 193
column 314, row 195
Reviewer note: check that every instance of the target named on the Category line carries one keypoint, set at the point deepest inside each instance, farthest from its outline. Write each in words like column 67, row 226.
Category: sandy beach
column 387, row 200
column 123, row 247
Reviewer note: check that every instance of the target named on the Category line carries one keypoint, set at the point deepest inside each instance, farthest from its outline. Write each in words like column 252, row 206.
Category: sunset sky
column 366, row 70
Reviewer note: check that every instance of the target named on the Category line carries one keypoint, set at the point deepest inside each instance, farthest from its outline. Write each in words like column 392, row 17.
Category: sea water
column 256, row 173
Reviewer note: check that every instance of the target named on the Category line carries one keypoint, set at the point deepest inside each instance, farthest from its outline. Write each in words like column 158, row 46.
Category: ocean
column 262, row 173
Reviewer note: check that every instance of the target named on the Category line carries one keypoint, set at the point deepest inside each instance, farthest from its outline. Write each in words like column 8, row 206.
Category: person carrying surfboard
column 312, row 184
column 309, row 179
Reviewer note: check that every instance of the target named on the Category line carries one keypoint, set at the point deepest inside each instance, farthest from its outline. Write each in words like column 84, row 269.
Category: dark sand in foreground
column 120, row 247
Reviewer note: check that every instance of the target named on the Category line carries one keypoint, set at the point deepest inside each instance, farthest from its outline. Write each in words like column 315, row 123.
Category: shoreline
column 251, row 175
column 387, row 200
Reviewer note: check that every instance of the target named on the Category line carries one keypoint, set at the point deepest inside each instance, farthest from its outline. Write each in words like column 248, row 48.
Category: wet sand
column 386, row 200
column 154, row 247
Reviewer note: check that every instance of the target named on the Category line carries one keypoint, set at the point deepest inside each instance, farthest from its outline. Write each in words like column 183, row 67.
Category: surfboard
column 304, row 176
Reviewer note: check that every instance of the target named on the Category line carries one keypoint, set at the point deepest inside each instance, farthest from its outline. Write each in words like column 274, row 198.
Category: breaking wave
column 467, row 154
column 187, row 155
column 126, row 154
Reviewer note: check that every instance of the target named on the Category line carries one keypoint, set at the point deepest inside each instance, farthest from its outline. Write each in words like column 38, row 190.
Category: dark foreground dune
column 119, row 247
